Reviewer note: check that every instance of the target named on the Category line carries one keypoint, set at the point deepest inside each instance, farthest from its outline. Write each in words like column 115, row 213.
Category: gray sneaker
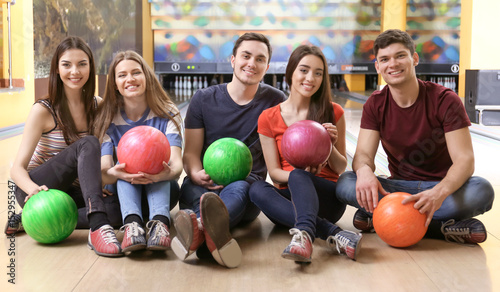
column 467, row 231
column 345, row 242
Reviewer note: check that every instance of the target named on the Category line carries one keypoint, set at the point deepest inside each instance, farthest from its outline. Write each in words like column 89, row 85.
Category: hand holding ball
column 396, row 224
column 306, row 143
column 50, row 216
column 143, row 149
column 227, row 160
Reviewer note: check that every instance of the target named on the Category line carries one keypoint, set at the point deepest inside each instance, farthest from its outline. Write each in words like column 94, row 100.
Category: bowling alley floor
column 430, row 265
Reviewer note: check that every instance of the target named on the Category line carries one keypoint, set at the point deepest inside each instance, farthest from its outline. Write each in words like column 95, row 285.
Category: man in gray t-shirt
column 225, row 110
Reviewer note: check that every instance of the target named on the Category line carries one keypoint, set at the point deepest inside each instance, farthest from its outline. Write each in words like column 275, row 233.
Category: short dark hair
column 253, row 36
column 392, row 36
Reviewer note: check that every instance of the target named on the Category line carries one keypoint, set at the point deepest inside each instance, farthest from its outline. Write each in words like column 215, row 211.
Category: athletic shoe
column 159, row 237
column 189, row 234
column 300, row 248
column 362, row 221
column 14, row 224
column 103, row 241
column 468, row 231
column 134, row 238
column 345, row 242
column 215, row 220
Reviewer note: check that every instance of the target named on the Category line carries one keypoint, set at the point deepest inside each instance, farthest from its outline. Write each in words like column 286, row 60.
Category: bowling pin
column 195, row 82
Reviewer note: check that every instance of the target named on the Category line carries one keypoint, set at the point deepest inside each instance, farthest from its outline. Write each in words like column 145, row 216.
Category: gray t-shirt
column 215, row 111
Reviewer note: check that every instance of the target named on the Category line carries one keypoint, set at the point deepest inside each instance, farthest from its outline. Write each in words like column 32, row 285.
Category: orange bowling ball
column 396, row 224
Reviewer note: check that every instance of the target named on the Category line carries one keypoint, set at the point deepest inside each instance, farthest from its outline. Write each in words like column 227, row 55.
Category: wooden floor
column 431, row 265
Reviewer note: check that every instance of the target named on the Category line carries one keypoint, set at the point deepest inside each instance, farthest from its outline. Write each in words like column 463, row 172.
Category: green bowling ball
column 50, row 216
column 227, row 160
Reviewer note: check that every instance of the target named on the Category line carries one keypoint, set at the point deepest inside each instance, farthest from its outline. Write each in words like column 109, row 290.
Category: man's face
column 396, row 64
column 251, row 62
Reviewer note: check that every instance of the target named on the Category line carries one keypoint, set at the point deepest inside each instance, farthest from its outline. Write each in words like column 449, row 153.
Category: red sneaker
column 189, row 234
column 215, row 220
column 300, row 248
column 134, row 238
column 103, row 241
column 159, row 237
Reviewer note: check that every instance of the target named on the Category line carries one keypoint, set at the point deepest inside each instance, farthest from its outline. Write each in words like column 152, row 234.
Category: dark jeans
column 81, row 160
column 308, row 204
column 234, row 196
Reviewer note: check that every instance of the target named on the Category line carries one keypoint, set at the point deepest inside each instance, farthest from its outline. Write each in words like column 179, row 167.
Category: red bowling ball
column 306, row 143
column 143, row 149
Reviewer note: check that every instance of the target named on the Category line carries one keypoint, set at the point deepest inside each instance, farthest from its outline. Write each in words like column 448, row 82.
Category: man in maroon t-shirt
column 424, row 131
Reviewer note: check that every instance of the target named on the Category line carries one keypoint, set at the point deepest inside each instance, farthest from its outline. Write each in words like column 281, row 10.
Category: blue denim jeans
column 158, row 196
column 308, row 204
column 234, row 195
column 473, row 198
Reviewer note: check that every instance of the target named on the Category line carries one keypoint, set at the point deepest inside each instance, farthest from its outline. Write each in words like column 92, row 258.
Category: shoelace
column 132, row 229
column 200, row 225
column 455, row 234
column 159, row 229
column 370, row 222
column 15, row 220
column 108, row 234
column 340, row 242
column 298, row 238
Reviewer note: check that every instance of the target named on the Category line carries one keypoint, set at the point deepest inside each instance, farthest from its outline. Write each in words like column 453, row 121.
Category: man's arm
column 459, row 144
column 367, row 184
column 192, row 161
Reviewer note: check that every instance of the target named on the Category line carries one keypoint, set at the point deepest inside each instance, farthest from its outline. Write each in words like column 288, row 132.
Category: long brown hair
column 157, row 99
column 320, row 107
column 56, row 94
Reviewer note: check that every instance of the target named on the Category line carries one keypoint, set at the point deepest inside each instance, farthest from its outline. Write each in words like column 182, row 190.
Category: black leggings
column 81, row 160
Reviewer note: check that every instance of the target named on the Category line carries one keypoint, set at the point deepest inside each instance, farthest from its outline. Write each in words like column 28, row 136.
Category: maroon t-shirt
column 413, row 137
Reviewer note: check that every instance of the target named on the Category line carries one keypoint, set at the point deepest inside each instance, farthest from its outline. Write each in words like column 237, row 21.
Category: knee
column 483, row 190
column 90, row 142
column 256, row 191
column 346, row 185
column 298, row 174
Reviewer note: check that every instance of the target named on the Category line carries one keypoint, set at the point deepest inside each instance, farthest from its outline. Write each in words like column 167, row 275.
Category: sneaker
column 215, row 220
column 189, row 234
column 14, row 224
column 345, row 242
column 134, row 238
column 300, row 248
column 103, row 241
column 159, row 237
column 362, row 221
column 468, row 231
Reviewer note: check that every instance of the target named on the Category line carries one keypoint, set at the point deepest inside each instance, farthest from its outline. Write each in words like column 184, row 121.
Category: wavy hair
column 157, row 99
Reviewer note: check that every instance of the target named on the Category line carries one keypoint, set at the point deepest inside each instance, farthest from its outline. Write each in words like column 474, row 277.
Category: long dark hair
column 320, row 107
column 157, row 99
column 56, row 94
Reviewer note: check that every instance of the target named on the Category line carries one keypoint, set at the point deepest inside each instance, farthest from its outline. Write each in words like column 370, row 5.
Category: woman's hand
column 332, row 131
column 36, row 191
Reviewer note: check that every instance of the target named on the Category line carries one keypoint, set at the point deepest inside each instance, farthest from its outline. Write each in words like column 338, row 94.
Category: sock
column 97, row 220
column 133, row 218
column 434, row 230
column 162, row 219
